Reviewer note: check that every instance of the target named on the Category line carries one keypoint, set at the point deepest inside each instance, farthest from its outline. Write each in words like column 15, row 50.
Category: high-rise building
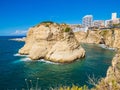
column 115, row 20
column 87, row 21
column 114, row 16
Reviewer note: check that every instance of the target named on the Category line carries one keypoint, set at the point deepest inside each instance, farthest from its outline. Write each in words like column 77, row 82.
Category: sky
column 17, row 16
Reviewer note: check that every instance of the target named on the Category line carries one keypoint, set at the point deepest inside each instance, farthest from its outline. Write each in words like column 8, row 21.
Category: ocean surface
column 17, row 72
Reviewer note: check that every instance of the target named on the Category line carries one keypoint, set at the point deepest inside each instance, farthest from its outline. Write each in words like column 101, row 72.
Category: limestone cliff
column 109, row 37
column 112, row 80
column 53, row 42
column 89, row 37
column 28, row 43
column 66, row 50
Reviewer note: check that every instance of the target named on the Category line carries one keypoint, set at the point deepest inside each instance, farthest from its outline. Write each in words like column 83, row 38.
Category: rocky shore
column 111, row 39
column 57, row 43
column 53, row 42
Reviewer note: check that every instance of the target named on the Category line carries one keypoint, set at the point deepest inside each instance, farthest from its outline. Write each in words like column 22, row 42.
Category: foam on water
column 23, row 60
column 17, row 54
column 26, row 59
column 45, row 61
column 104, row 46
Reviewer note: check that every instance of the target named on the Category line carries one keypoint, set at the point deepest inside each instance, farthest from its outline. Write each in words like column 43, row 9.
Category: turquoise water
column 14, row 69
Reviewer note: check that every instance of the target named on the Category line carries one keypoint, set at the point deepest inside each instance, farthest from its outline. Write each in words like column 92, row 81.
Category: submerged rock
column 52, row 42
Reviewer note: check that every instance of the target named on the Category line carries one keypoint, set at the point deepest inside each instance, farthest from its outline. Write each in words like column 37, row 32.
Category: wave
column 17, row 54
column 26, row 59
column 22, row 60
column 45, row 61
column 104, row 46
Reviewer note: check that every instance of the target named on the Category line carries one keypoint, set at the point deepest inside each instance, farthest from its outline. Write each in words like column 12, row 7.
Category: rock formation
column 110, row 37
column 66, row 50
column 89, row 37
column 52, row 42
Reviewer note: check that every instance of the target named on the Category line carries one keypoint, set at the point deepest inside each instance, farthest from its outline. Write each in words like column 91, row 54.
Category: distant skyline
column 16, row 16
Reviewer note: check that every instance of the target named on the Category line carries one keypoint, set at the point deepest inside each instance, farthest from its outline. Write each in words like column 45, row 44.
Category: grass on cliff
column 104, row 32
column 51, row 22
column 67, row 29
column 73, row 88
column 100, row 85
column 44, row 22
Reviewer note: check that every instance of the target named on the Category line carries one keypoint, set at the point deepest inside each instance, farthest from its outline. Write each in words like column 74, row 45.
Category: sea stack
column 53, row 42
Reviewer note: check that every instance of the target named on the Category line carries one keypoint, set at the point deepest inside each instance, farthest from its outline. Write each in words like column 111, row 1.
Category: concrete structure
column 99, row 23
column 78, row 27
column 114, row 16
column 87, row 21
column 108, row 23
column 114, row 20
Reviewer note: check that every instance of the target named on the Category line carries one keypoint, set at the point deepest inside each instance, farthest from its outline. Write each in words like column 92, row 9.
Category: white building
column 99, row 23
column 114, row 16
column 108, row 23
column 78, row 27
column 114, row 20
column 87, row 21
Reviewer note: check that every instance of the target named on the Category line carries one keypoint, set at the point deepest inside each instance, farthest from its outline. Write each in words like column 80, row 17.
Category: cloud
column 20, row 32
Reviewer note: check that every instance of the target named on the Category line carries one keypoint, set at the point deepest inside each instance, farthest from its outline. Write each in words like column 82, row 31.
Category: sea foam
column 22, row 60
column 26, row 59
column 17, row 54
column 45, row 61
column 104, row 46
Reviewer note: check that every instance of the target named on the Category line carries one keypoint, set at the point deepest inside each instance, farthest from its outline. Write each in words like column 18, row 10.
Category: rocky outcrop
column 116, row 37
column 91, row 36
column 52, row 42
column 66, row 50
column 28, row 43
column 110, row 37
column 112, row 80
column 81, row 36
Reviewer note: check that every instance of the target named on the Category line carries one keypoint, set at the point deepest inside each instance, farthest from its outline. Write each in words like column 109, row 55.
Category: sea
column 19, row 72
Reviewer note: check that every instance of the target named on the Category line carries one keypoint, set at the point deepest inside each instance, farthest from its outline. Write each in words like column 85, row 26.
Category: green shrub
column 47, row 22
column 46, row 25
column 104, row 32
column 67, row 29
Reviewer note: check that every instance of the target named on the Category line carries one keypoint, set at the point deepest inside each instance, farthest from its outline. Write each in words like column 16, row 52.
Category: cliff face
column 89, row 36
column 66, row 50
column 44, row 39
column 112, row 80
column 116, row 39
column 28, row 43
column 110, row 38
column 52, row 42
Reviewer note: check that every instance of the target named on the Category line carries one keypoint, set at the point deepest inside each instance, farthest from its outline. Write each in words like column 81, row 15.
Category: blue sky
column 16, row 16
